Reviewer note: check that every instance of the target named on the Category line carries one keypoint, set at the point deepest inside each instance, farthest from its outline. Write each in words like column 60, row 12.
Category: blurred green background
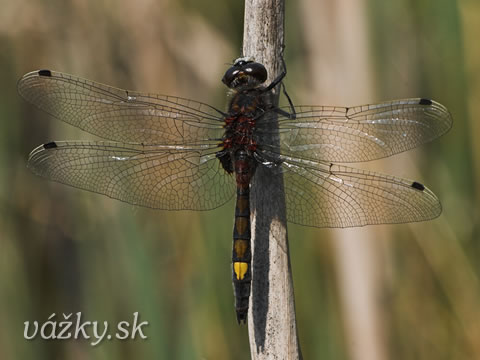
column 63, row 250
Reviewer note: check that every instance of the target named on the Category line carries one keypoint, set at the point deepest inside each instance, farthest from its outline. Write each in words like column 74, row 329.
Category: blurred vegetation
column 63, row 250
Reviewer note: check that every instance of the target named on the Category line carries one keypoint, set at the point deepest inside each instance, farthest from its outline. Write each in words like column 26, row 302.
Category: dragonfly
column 170, row 153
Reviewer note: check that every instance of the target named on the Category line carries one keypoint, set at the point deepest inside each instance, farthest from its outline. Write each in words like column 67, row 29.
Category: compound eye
column 256, row 70
column 248, row 71
column 230, row 75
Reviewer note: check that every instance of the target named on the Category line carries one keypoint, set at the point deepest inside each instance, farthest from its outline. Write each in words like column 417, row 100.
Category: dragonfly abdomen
column 241, row 252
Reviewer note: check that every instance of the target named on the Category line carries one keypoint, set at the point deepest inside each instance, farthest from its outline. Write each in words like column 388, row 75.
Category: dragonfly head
column 245, row 74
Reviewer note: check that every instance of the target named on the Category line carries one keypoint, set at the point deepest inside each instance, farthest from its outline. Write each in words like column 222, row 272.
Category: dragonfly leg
column 292, row 115
column 285, row 113
column 278, row 79
column 225, row 160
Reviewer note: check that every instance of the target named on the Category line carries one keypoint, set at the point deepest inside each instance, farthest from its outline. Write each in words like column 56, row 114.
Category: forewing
column 157, row 177
column 327, row 195
column 121, row 115
column 355, row 134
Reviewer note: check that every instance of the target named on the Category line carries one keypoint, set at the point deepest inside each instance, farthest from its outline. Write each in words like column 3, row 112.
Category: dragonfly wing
column 355, row 134
column 171, row 178
column 121, row 115
column 327, row 195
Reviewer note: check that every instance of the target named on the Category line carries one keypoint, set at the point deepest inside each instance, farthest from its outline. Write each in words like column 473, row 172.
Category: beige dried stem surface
column 271, row 321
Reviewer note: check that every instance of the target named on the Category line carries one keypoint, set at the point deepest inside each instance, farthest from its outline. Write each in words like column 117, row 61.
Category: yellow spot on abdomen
column 240, row 269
